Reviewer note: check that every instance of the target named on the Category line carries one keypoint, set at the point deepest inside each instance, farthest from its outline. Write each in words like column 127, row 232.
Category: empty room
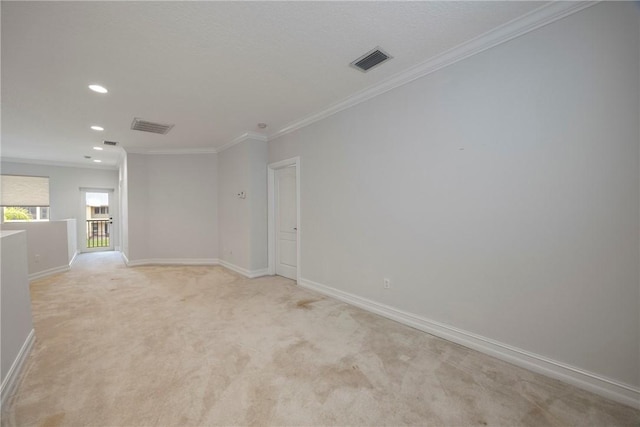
column 312, row 213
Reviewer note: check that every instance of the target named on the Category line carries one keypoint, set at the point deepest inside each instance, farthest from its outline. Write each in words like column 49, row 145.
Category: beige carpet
column 196, row 346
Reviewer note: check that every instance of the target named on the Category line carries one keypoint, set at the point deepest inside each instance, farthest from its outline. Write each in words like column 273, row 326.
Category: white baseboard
column 49, row 272
column 251, row 274
column 13, row 374
column 170, row 261
column 196, row 261
column 73, row 259
column 611, row 389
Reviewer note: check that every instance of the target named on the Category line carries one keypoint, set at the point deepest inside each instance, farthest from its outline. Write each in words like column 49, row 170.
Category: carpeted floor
column 196, row 346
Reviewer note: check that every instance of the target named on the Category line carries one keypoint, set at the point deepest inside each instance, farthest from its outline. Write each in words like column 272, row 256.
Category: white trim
column 48, row 272
column 195, row 261
column 73, row 259
column 245, row 136
column 271, row 211
column 59, row 163
column 96, row 190
column 170, row 261
column 251, row 274
column 533, row 20
column 205, row 150
column 172, row 151
column 14, row 372
column 612, row 389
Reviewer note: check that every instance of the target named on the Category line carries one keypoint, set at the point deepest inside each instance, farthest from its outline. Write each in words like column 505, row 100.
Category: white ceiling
column 214, row 69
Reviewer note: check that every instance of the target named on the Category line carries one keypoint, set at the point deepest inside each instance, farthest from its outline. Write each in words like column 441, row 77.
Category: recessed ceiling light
column 100, row 128
column 98, row 88
column 97, row 161
column 98, row 148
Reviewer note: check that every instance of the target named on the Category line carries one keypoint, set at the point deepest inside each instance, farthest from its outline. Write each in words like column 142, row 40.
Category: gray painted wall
column 233, row 177
column 172, row 207
column 124, row 206
column 243, row 222
column 16, row 319
column 258, row 154
column 499, row 194
column 48, row 246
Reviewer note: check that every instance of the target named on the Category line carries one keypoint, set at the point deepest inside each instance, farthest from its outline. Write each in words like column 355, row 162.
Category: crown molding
column 171, row 151
column 206, row 150
column 245, row 136
column 58, row 163
column 531, row 21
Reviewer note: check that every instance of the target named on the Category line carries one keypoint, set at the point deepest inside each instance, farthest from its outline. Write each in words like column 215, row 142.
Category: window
column 100, row 210
column 24, row 198
column 25, row 213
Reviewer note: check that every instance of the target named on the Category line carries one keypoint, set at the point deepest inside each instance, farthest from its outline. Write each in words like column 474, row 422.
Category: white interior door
column 286, row 219
column 98, row 224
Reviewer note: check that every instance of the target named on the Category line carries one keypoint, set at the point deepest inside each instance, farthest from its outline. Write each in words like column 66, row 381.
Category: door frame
column 82, row 226
column 271, row 212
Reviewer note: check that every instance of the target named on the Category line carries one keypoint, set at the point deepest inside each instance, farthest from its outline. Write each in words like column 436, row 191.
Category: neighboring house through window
column 101, row 210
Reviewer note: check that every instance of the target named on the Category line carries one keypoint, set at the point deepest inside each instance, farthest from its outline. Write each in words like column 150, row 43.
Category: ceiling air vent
column 145, row 126
column 111, row 143
column 371, row 59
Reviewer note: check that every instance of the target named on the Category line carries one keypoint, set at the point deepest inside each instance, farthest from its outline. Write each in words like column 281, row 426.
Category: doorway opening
column 98, row 221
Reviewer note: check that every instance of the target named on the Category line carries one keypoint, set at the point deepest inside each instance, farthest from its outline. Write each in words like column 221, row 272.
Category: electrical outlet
column 37, row 257
column 387, row 283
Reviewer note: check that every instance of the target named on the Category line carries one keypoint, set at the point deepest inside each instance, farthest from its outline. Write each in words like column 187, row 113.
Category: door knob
column 295, row 228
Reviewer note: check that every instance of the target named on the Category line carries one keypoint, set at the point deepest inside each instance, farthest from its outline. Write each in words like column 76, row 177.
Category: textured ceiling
column 214, row 69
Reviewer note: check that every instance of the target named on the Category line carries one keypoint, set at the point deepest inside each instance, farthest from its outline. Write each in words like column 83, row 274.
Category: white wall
column 16, row 319
column 499, row 194
column 243, row 222
column 172, row 207
column 64, row 191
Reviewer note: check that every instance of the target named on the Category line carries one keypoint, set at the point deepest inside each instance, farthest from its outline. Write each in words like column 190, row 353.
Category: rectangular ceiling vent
column 370, row 60
column 145, row 126
column 111, row 143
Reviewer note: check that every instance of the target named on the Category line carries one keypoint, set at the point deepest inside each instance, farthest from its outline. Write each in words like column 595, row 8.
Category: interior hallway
column 178, row 345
